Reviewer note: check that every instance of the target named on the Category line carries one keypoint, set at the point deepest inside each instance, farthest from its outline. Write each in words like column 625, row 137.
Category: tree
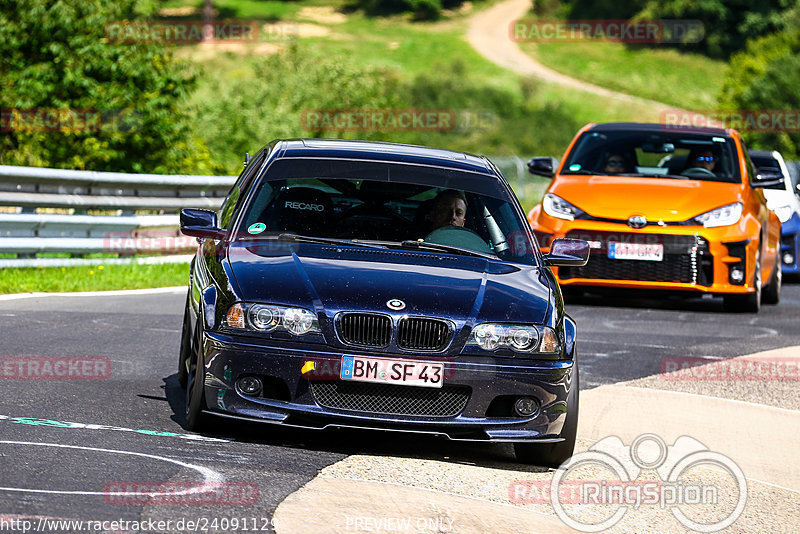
column 59, row 69
column 765, row 77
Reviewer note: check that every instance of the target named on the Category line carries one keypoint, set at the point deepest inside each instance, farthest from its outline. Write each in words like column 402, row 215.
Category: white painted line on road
column 119, row 292
column 50, row 423
column 209, row 475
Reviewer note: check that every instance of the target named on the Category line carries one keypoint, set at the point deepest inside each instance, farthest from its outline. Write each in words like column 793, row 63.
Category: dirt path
column 488, row 33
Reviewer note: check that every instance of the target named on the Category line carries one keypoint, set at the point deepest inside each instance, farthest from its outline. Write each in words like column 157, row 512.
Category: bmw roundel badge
column 396, row 304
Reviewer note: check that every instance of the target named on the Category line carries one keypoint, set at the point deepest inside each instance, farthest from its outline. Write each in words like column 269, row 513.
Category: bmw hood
column 333, row 279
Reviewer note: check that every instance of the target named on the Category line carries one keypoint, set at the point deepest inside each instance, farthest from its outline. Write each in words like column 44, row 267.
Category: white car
column 784, row 200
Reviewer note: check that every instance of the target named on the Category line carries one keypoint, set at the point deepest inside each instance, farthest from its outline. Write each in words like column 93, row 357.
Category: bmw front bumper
column 486, row 387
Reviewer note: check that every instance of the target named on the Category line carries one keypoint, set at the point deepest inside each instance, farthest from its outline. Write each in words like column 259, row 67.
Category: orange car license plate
column 386, row 371
column 636, row 251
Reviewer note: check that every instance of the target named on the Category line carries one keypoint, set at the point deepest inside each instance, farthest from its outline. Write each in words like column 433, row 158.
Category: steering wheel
column 698, row 172
column 458, row 236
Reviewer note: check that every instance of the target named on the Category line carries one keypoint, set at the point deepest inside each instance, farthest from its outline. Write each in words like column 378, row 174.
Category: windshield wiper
column 445, row 248
column 325, row 240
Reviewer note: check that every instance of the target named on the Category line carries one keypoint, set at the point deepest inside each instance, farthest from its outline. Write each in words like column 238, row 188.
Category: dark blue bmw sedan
column 385, row 286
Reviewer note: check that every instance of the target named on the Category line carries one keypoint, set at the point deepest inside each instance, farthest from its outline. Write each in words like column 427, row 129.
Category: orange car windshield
column 658, row 154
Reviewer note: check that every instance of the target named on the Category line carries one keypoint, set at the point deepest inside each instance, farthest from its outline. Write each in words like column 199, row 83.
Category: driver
column 701, row 159
column 449, row 209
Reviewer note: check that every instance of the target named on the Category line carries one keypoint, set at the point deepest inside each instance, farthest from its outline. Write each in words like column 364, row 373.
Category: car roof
column 762, row 153
column 655, row 127
column 384, row 152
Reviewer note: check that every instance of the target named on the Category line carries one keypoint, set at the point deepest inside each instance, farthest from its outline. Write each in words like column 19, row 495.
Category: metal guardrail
column 125, row 233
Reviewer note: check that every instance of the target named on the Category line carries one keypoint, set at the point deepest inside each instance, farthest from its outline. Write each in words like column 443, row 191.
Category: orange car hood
column 668, row 199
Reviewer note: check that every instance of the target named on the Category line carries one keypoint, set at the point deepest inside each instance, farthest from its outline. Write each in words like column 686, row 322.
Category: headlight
column 724, row 216
column 269, row 318
column 556, row 206
column 784, row 213
column 519, row 338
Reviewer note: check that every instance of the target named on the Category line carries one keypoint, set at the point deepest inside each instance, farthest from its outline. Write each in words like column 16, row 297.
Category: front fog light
column 249, row 385
column 526, row 406
column 737, row 275
column 788, row 259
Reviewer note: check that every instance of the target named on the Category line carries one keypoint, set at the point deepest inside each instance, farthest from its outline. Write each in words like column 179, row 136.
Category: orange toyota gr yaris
column 663, row 207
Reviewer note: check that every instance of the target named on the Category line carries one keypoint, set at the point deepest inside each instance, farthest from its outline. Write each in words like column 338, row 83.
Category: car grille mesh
column 419, row 333
column 686, row 260
column 390, row 399
column 365, row 329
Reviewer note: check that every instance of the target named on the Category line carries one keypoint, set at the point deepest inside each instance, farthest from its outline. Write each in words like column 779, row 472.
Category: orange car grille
column 686, row 259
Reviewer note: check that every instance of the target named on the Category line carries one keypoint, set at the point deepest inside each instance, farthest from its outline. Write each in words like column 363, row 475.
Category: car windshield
column 392, row 205
column 660, row 154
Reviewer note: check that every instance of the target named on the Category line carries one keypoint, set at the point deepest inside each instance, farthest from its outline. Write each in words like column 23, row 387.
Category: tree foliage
column 766, row 76
column 728, row 23
column 54, row 56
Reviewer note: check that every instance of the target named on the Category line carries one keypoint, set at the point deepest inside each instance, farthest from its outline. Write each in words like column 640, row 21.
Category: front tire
column 185, row 352
column 772, row 293
column 555, row 454
column 196, row 420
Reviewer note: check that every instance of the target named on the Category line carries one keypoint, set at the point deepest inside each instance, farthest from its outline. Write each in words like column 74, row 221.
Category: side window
column 751, row 170
column 229, row 205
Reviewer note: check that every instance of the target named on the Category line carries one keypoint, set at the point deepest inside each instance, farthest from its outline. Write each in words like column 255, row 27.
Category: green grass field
column 92, row 278
column 687, row 81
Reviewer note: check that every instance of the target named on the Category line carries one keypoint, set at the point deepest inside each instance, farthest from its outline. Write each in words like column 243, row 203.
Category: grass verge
column 683, row 80
column 92, row 278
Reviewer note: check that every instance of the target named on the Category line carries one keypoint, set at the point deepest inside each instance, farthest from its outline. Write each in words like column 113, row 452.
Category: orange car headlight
column 722, row 216
column 555, row 206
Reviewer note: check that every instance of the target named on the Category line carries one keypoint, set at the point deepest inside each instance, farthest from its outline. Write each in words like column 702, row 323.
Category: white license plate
column 636, row 251
column 386, row 371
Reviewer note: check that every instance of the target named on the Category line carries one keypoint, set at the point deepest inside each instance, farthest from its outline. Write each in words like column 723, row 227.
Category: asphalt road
column 64, row 444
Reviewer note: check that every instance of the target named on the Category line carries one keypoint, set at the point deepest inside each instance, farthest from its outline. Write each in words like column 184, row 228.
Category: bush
column 765, row 77
column 246, row 112
column 54, row 56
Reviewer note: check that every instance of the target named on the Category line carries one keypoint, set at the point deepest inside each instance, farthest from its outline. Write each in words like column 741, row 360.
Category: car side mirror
column 201, row 223
column 568, row 253
column 541, row 167
column 767, row 177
